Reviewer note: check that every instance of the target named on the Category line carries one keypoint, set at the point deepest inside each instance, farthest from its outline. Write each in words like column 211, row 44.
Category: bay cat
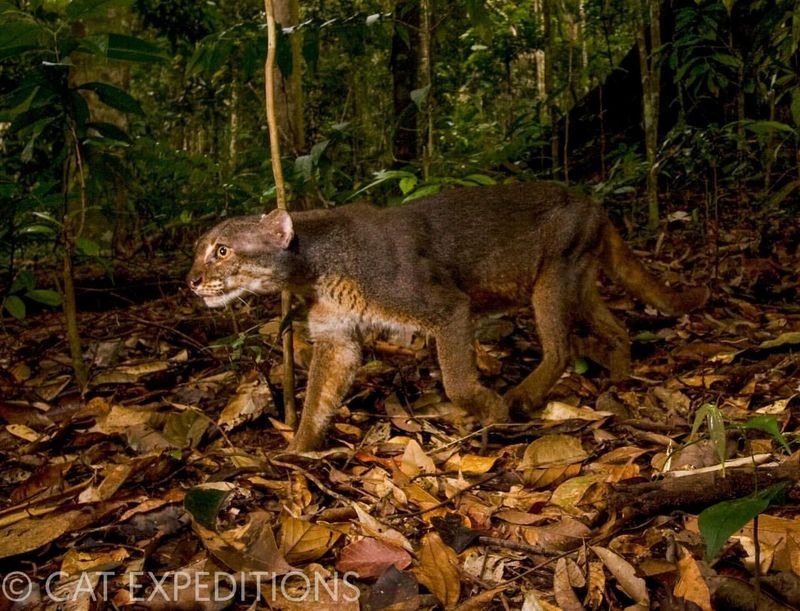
column 432, row 265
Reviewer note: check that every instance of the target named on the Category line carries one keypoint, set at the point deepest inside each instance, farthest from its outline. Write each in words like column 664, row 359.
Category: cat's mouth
column 223, row 299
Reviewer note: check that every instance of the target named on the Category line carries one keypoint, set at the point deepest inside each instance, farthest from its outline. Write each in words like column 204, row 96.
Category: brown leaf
column 596, row 588
column 691, row 586
column 562, row 588
column 416, row 461
column 553, row 450
column 370, row 557
column 400, row 417
column 116, row 475
column 438, row 569
column 31, row 533
column 253, row 397
column 563, row 535
column 625, row 574
column 571, row 493
column 481, row 601
column 250, row 547
column 302, row 541
column 45, row 481
column 76, row 562
column 545, row 478
column 470, row 463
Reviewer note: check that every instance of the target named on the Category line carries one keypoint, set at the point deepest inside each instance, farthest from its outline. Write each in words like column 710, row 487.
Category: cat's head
column 240, row 256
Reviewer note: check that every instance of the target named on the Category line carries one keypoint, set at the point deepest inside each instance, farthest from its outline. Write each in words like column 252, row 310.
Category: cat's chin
column 220, row 301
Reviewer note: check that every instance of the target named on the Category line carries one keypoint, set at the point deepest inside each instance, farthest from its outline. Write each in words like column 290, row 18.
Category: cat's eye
column 222, row 251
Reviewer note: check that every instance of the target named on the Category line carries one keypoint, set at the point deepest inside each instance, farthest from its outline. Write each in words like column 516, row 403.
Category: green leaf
column 84, row 9
column 87, row 247
column 304, row 165
column 45, row 296
column 422, row 192
column 727, row 60
column 418, row 96
column 114, row 97
column 795, row 105
column 35, row 130
column 120, row 46
column 318, row 150
column 381, row 177
column 716, row 428
column 407, row 184
column 109, row 130
column 768, row 424
column 761, row 128
column 481, row 179
column 646, row 337
column 186, row 428
column 204, row 501
column 25, row 281
column 15, row 306
column 581, row 365
column 17, row 37
column 720, row 521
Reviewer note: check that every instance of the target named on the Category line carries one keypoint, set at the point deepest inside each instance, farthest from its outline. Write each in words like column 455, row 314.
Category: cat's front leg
column 333, row 367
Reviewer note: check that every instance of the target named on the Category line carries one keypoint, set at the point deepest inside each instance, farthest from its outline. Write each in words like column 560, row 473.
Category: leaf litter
column 168, row 472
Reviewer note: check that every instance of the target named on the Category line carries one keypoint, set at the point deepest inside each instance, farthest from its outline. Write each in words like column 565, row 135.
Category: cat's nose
column 194, row 280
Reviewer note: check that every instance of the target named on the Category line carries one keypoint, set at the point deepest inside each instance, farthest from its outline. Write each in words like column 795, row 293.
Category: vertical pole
column 290, row 407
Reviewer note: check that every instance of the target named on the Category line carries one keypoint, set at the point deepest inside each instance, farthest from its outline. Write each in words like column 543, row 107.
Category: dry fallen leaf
column 438, row 569
column 302, row 541
column 562, row 588
column 370, row 557
column 253, row 397
column 416, row 461
column 553, row 450
column 691, row 586
column 625, row 574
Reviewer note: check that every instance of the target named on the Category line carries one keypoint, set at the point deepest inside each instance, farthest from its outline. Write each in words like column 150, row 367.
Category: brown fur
column 431, row 265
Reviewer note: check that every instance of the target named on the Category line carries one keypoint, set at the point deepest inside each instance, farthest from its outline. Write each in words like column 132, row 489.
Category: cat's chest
column 342, row 308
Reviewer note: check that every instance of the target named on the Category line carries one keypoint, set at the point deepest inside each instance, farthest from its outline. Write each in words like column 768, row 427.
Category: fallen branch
column 698, row 491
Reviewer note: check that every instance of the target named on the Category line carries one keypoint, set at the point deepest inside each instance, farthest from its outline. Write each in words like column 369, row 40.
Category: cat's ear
column 278, row 226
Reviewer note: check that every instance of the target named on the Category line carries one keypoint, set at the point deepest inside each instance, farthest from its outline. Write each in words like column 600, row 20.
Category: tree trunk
column 404, row 64
column 289, row 90
column 647, row 15
column 233, row 126
column 426, row 80
column 548, row 83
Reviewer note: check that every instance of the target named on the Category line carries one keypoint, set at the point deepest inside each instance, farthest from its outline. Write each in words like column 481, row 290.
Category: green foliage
column 720, row 521
column 412, row 188
column 768, row 424
column 714, row 57
column 716, row 428
column 204, row 502
column 23, row 289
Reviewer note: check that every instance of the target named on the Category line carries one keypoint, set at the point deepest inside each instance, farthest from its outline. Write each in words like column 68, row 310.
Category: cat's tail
column 623, row 267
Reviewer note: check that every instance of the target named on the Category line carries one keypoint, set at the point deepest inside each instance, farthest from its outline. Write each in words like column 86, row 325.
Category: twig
column 521, row 547
column 313, row 478
column 446, row 502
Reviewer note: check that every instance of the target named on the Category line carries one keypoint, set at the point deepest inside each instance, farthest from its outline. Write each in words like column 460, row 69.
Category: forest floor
column 161, row 482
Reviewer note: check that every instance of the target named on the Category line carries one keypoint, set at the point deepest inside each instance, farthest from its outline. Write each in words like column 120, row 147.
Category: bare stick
column 290, row 408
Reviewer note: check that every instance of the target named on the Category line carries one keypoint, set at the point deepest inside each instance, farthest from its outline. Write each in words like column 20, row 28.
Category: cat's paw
column 521, row 401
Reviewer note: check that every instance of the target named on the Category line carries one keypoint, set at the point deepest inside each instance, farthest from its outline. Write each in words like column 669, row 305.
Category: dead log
column 696, row 492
